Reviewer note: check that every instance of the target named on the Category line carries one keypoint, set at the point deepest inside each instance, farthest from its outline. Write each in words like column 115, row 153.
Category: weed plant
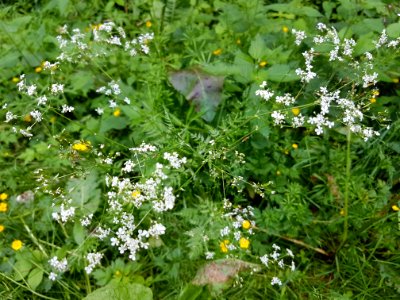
column 199, row 150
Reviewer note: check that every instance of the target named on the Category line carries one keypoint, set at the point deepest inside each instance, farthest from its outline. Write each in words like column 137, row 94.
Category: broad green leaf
column 281, row 73
column 393, row 30
column 79, row 233
column 35, row 278
column 9, row 60
column 204, row 90
column 119, row 291
column 82, row 81
column 16, row 24
column 22, row 268
column 112, row 122
column 84, row 193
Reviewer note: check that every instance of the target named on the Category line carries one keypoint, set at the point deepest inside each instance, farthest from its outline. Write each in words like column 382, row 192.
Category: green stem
column 347, row 186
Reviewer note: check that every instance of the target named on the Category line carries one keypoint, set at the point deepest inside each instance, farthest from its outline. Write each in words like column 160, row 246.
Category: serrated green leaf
column 257, row 48
column 35, row 278
column 132, row 291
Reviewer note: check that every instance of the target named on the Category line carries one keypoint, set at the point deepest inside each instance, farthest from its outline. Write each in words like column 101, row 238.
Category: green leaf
column 204, row 90
column 119, row 291
column 120, row 2
column 35, row 278
column 393, row 30
column 22, row 268
column 79, row 233
column 112, row 122
column 85, row 193
column 257, row 48
column 281, row 73
column 9, row 60
column 16, row 24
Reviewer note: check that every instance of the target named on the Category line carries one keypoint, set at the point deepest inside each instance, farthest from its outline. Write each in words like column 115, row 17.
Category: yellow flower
column 342, row 212
column 285, row 29
column 296, row 111
column 81, row 147
column 244, row 243
column 3, row 207
column 117, row 112
column 246, row 224
column 395, row 80
column 135, row 194
column 95, row 27
column 262, row 63
column 2, row 228
column 372, row 100
column 15, row 79
column 38, row 69
column 395, row 208
column 3, row 196
column 28, row 118
column 375, row 92
column 224, row 246
column 148, row 24
column 295, row 146
column 217, row 51
column 16, row 245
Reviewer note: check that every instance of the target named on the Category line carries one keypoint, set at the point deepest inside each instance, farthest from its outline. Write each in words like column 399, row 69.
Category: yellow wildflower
column 395, row 208
column 342, row 212
column 95, row 27
column 224, row 246
column 372, row 100
column 16, row 245
column 295, row 146
column 2, row 228
column 38, row 69
column 28, row 118
column 148, row 24
column 375, row 92
column 296, row 111
column 262, row 63
column 217, row 51
column 285, row 29
column 395, row 80
column 3, row 207
column 15, row 79
column 3, row 196
column 244, row 243
column 246, row 224
column 135, row 194
column 117, row 112
column 81, row 147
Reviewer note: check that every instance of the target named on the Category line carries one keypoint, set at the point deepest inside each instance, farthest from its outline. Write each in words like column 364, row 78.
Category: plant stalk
column 346, row 188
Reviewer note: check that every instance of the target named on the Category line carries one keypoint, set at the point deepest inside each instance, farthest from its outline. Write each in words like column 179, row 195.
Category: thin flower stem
column 347, row 186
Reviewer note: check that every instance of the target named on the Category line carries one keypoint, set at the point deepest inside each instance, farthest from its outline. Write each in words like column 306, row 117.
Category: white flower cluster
column 332, row 108
column 275, row 258
column 58, row 266
column 106, row 34
column 93, row 260
column 127, row 197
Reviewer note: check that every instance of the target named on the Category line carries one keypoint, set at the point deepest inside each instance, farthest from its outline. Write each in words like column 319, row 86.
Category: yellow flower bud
column 262, row 63
column 296, row 111
column 285, row 29
column 395, row 208
column 38, row 69
column 148, row 24
column 295, row 146
column 117, row 112
column 217, row 51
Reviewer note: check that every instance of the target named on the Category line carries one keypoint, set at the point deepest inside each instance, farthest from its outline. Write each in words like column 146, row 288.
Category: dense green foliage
column 332, row 199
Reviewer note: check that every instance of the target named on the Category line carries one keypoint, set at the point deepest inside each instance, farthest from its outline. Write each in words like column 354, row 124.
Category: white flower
column 276, row 280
